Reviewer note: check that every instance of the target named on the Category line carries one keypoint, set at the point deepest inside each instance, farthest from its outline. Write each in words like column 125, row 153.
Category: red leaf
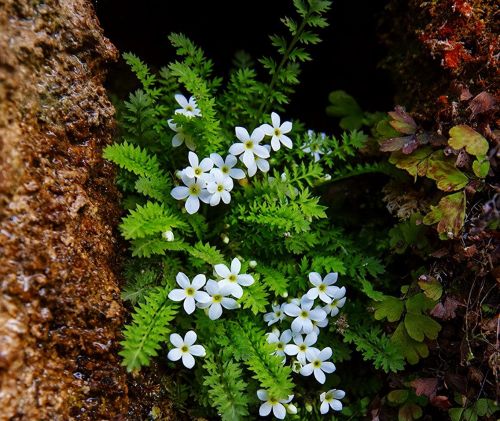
column 446, row 310
column 425, row 386
column 441, row 402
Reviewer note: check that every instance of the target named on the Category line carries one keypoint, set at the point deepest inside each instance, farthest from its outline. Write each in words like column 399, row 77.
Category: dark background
column 347, row 58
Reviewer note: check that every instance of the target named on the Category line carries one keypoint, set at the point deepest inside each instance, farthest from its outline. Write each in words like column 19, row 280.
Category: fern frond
column 133, row 158
column 149, row 328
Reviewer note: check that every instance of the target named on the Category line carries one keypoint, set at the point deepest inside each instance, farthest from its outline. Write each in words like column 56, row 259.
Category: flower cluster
column 306, row 318
column 216, row 296
column 315, row 145
column 211, row 179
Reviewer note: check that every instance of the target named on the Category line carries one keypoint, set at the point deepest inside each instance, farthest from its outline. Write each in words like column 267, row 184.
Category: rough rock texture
column 60, row 308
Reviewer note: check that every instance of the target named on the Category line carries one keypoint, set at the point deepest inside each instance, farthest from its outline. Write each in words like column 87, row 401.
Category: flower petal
column 237, row 173
column 275, row 118
column 222, row 270
column 265, row 409
column 188, row 360
column 235, row 266
column 179, row 192
column 328, row 367
column 324, row 408
column 177, row 294
column 286, row 127
column 181, row 100
column 261, row 151
column 192, row 204
column 263, row 165
column 317, row 315
column 320, row 376
column 174, row 354
column 315, row 279
column 338, row 394
column 325, row 353
column 245, row 280
column 215, row 311
column 331, row 278
column 229, row 303
column 199, row 281
column 249, row 159
column 177, row 140
column 226, row 197
column 257, row 135
column 311, row 339
column 291, row 349
column 262, row 395
column 241, row 134
column 292, row 309
column 217, row 159
column 206, row 164
column 279, row 411
column 298, row 324
column 189, row 305
column 201, row 297
column 197, row 350
column 193, row 159
column 237, row 148
column 176, row 340
column 312, row 294
column 190, row 337
column 307, row 326
column 324, row 297
column 336, row 405
column 286, row 336
column 275, row 144
column 215, row 199
column 286, row 141
column 307, row 370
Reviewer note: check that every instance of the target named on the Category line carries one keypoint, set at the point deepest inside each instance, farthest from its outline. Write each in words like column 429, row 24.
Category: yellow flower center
column 280, row 345
column 302, row 347
column 273, row 401
column 249, row 144
column 184, row 348
column 189, row 108
column 190, row 291
column 317, row 364
column 220, row 188
column 197, row 171
column 225, row 169
column 322, row 287
column 217, row 298
column 304, row 313
column 194, row 189
column 277, row 132
column 278, row 314
column 232, row 278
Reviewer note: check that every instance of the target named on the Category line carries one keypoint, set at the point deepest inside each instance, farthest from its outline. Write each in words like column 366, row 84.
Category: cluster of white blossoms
column 215, row 296
column 297, row 342
column 211, row 179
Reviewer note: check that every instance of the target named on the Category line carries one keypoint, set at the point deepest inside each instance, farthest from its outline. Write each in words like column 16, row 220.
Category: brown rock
column 60, row 308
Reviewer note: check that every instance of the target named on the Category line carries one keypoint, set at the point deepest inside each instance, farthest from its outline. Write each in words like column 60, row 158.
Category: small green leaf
column 418, row 326
column 432, row 288
column 409, row 412
column 481, row 166
column 410, row 348
column 456, row 414
column 463, row 136
column 398, row 396
column 391, row 308
column 419, row 303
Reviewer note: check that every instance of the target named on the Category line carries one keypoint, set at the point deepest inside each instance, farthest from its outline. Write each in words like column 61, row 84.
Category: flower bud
column 291, row 409
column 178, row 174
column 225, row 239
column 309, row 407
column 327, row 177
column 285, row 294
column 252, row 263
column 168, row 235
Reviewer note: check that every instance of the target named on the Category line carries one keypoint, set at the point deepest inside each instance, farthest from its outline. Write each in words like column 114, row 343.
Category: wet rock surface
column 60, row 307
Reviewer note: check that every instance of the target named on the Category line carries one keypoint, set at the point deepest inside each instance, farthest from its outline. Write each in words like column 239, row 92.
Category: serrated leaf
column 418, row 326
column 463, row 136
column 390, row 308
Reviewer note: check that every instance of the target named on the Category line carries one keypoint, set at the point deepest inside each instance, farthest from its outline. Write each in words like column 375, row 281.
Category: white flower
column 260, row 163
column 302, row 347
column 194, row 190
column 304, row 315
column 219, row 187
column 218, row 298
column 314, row 148
column 337, row 302
column 185, row 349
column 189, row 108
column 249, row 146
column 227, row 166
column 278, row 132
column 272, row 403
column 330, row 399
column 277, row 315
column 189, row 292
column 233, row 278
column 198, row 169
column 322, row 288
column 168, row 235
column 318, row 364
column 280, row 341
column 181, row 136
column 317, row 325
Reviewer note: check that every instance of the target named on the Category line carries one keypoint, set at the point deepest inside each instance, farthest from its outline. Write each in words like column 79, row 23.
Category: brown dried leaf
column 481, row 103
column 441, row 402
column 425, row 386
column 446, row 310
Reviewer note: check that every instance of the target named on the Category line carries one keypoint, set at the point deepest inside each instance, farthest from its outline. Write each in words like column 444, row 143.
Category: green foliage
column 149, row 328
